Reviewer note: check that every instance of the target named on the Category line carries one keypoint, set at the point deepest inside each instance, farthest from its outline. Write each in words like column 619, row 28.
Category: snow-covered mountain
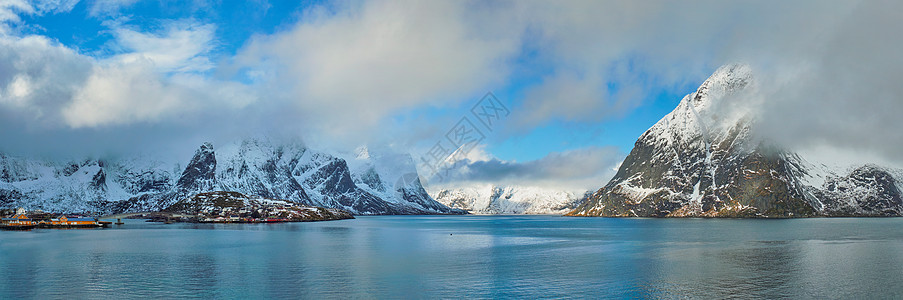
column 255, row 167
column 702, row 160
column 390, row 176
column 491, row 199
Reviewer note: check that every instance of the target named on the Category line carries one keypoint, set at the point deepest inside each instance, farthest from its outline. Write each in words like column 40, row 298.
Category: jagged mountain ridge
column 290, row 172
column 492, row 199
column 390, row 176
column 701, row 160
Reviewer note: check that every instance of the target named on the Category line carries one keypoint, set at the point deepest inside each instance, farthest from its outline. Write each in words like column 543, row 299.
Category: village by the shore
column 211, row 207
column 20, row 219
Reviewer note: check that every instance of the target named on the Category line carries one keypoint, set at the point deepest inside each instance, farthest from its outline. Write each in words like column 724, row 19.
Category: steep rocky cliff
column 701, row 160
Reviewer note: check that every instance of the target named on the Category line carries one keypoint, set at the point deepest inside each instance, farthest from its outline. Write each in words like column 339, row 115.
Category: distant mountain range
column 702, row 160
column 290, row 172
column 492, row 199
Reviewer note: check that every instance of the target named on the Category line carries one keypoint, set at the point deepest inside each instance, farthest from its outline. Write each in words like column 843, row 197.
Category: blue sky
column 87, row 29
column 582, row 79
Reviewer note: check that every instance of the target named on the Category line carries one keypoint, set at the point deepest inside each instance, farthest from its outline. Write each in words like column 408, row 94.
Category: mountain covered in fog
column 361, row 184
column 491, row 199
column 702, row 160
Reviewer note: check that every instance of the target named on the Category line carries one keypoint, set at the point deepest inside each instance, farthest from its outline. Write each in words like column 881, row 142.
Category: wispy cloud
column 181, row 46
column 55, row 6
column 10, row 11
column 101, row 8
column 576, row 170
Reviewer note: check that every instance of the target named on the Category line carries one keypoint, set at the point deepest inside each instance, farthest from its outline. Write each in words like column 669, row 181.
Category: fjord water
column 461, row 257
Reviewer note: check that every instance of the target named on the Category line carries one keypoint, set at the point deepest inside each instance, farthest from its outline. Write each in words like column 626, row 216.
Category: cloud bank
column 345, row 71
column 576, row 170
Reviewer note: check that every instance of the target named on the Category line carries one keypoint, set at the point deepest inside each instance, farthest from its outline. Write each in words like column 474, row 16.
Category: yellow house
column 17, row 220
column 65, row 221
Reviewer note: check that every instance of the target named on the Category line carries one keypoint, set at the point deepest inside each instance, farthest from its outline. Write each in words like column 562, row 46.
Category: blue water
column 461, row 257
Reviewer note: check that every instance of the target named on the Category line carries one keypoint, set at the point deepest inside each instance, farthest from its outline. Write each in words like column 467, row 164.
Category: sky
column 572, row 83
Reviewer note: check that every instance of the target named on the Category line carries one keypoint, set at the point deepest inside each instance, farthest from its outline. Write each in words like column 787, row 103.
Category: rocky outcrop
column 200, row 174
column 237, row 207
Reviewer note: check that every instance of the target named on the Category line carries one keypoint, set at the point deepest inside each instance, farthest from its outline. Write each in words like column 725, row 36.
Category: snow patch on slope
column 491, row 199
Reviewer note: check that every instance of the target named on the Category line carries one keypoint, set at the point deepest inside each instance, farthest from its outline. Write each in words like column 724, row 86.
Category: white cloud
column 354, row 68
column 570, row 97
column 52, row 86
column 109, row 7
column 55, row 101
column 10, row 11
column 150, row 81
column 19, row 88
column 55, row 6
column 38, row 76
column 579, row 169
column 346, row 68
column 121, row 94
column 182, row 46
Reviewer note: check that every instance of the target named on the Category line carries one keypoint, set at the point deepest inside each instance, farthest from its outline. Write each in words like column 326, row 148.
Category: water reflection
column 461, row 257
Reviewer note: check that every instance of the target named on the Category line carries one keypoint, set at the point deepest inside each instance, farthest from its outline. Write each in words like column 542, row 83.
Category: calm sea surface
column 461, row 257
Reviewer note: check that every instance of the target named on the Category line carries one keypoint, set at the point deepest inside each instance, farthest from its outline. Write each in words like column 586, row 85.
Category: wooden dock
column 16, row 227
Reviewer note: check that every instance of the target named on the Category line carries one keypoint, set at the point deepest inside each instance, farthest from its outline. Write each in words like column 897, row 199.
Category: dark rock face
column 264, row 172
column 734, row 183
column 413, row 192
column 331, row 178
column 69, row 170
column 701, row 161
column 8, row 197
column 200, row 174
column 333, row 174
column 221, row 203
column 371, row 178
column 99, row 181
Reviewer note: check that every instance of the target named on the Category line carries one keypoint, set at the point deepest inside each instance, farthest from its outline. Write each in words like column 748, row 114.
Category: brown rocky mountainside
column 701, row 160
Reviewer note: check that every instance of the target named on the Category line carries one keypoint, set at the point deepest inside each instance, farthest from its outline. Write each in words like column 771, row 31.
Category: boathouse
column 17, row 220
column 65, row 221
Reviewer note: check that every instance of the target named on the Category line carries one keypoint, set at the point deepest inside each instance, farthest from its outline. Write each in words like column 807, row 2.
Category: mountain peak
column 206, row 147
column 200, row 174
column 725, row 81
column 362, row 152
column 702, row 160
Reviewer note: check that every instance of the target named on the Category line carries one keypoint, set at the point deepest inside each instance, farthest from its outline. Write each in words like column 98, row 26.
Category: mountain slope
column 701, row 160
column 490, row 199
column 392, row 177
column 227, row 204
column 290, row 172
